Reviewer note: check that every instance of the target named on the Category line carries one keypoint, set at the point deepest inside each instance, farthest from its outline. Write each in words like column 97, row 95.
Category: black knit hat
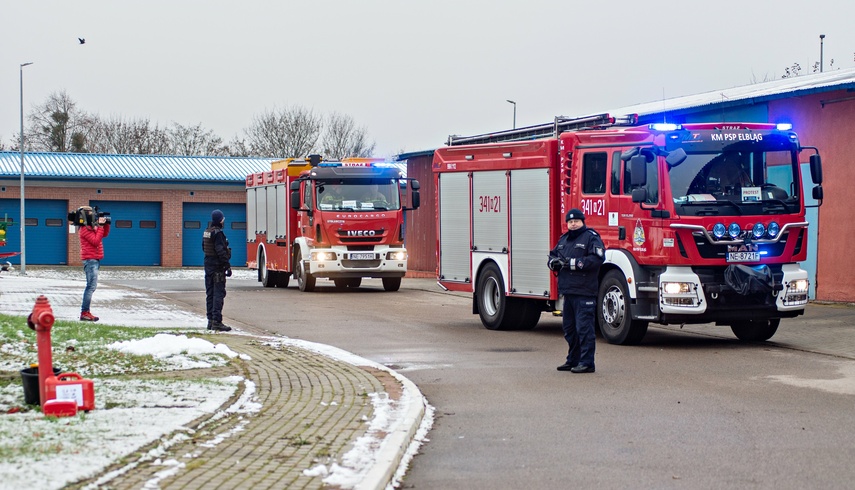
column 217, row 216
column 574, row 214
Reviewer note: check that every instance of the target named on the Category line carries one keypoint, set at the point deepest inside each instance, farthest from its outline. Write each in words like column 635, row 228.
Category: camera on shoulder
column 88, row 216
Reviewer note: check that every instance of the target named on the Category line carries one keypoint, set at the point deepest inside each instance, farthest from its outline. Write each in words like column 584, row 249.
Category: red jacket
column 91, row 246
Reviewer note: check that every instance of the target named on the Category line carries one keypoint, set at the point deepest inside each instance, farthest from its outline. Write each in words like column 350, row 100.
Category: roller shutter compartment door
column 135, row 233
column 196, row 219
column 46, row 231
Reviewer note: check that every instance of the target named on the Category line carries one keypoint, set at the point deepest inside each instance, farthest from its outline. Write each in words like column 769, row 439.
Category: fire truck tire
column 497, row 311
column 755, row 330
column 305, row 281
column 530, row 312
column 265, row 276
column 283, row 279
column 613, row 313
column 391, row 283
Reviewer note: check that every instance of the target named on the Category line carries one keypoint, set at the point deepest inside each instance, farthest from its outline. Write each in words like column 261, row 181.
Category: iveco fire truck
column 342, row 220
column 702, row 222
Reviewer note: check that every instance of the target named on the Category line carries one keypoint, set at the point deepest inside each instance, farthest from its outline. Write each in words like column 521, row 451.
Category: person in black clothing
column 217, row 268
column 576, row 260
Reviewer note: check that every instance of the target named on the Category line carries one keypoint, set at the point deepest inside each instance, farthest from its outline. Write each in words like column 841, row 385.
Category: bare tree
column 290, row 132
column 57, row 125
column 792, row 71
column 237, row 148
column 195, row 140
column 127, row 137
column 343, row 139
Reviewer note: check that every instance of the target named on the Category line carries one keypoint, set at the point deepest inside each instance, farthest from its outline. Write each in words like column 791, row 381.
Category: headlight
column 719, row 230
column 676, row 287
column 323, row 256
column 799, row 285
column 773, row 229
column 397, row 255
column 758, row 230
column 733, row 230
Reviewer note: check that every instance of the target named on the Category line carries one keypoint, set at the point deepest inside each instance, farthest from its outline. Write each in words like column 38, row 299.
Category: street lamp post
column 515, row 112
column 821, row 40
column 23, row 222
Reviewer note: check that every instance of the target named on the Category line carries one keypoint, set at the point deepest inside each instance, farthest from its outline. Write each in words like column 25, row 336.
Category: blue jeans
column 90, row 268
column 578, row 325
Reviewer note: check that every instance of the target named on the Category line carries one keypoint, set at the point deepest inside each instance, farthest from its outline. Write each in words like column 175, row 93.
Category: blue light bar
column 784, row 126
column 325, row 164
column 664, row 126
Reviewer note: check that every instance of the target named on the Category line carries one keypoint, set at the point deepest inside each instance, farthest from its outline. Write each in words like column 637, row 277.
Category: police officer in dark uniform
column 576, row 259
column 217, row 268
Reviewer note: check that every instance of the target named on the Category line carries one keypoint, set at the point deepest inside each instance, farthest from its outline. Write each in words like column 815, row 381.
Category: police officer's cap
column 574, row 214
column 217, row 216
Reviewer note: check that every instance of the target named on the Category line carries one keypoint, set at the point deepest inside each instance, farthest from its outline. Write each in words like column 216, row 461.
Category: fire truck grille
column 360, row 264
column 361, row 239
column 709, row 250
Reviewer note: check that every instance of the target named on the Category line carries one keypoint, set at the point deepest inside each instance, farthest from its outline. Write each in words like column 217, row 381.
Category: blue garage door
column 196, row 218
column 46, row 232
column 135, row 233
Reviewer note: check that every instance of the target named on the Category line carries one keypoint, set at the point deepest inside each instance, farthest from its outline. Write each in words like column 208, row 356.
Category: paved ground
column 313, row 407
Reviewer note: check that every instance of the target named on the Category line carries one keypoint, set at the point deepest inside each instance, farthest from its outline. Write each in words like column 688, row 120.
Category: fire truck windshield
column 736, row 182
column 358, row 195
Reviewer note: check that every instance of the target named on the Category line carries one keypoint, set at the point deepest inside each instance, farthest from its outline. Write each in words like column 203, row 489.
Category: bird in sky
column 82, row 41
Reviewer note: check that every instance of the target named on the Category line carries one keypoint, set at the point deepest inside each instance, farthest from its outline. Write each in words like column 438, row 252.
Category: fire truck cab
column 342, row 221
column 703, row 223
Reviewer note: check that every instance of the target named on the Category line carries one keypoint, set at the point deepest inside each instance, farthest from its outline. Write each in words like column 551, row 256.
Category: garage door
column 135, row 235
column 46, row 232
column 196, row 218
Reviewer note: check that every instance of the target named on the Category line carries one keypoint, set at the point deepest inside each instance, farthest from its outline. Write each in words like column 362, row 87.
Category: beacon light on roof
column 784, row 126
column 664, row 127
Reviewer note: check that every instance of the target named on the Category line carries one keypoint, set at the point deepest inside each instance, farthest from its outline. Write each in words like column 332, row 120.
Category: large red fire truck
column 702, row 222
column 342, row 220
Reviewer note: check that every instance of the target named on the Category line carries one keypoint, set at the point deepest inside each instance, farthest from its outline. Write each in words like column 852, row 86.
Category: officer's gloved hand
column 229, row 272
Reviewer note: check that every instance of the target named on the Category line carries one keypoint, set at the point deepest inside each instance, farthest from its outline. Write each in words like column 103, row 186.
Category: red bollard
column 41, row 320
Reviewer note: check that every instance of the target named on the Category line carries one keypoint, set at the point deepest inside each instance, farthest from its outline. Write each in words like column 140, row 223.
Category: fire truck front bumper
column 701, row 295
column 342, row 263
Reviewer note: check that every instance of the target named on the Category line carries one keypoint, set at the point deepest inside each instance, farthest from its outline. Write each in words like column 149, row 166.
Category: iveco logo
column 360, row 232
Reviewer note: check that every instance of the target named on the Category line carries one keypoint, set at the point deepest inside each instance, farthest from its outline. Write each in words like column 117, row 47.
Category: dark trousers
column 215, row 294
column 578, row 325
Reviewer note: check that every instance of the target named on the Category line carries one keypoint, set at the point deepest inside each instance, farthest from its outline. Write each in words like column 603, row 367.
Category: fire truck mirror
column 414, row 184
column 417, row 199
column 676, row 157
column 816, row 169
column 638, row 171
column 817, row 192
column 295, row 198
column 639, row 194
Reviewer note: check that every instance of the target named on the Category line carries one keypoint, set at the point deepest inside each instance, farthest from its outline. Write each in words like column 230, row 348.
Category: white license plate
column 743, row 256
column 361, row 256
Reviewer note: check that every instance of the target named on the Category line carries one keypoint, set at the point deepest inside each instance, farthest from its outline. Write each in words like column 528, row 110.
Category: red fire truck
column 702, row 222
column 342, row 221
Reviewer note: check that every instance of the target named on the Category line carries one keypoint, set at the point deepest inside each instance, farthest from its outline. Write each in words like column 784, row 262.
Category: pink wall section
column 827, row 121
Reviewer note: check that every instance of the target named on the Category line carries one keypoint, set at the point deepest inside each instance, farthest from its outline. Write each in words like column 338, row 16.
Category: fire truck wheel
column 755, row 330
column 305, row 281
column 495, row 309
column 391, row 283
column 264, row 275
column 614, row 316
column 283, row 279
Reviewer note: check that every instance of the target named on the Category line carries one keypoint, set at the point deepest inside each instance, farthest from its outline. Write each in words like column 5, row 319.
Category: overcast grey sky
column 411, row 72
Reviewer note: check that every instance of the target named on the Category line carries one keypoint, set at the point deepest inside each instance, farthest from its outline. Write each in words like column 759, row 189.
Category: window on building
column 123, row 223
column 148, row 224
column 238, row 225
column 192, row 225
column 55, row 222
column 31, row 221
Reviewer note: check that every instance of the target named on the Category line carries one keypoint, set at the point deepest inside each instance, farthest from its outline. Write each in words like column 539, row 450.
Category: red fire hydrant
column 41, row 320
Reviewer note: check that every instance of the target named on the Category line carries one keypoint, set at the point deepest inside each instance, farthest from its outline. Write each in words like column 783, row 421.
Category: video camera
column 88, row 216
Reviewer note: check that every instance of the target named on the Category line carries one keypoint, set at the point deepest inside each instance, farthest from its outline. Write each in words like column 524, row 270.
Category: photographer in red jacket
column 91, row 234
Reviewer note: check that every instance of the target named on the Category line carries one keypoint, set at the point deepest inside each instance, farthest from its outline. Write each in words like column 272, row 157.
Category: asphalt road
column 686, row 409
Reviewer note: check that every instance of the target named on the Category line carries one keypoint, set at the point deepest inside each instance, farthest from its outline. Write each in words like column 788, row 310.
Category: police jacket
column 216, row 248
column 91, row 244
column 583, row 253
